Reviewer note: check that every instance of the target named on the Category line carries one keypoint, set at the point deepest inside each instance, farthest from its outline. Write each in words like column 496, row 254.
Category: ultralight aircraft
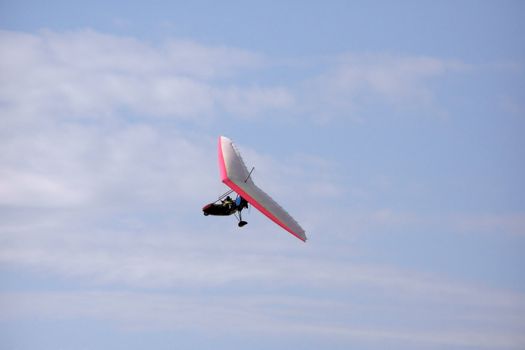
column 236, row 176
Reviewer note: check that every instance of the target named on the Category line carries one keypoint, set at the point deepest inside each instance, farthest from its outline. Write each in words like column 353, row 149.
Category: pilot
column 228, row 202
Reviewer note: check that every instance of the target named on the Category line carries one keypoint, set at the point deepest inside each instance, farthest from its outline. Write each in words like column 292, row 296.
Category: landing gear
column 241, row 221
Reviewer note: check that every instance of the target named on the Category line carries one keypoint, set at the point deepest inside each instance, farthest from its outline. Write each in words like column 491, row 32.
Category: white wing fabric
column 236, row 176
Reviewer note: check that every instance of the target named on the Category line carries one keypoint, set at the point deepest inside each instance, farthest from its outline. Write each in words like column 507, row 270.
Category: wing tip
column 302, row 236
column 224, row 138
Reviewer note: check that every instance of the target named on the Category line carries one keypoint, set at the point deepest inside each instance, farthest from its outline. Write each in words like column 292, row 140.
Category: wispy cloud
column 92, row 166
column 88, row 74
column 354, row 82
column 263, row 314
column 504, row 224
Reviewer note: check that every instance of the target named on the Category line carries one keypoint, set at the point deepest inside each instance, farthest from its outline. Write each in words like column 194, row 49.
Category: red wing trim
column 222, row 164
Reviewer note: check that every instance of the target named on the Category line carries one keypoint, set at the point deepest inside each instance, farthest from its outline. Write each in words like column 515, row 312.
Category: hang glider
column 235, row 175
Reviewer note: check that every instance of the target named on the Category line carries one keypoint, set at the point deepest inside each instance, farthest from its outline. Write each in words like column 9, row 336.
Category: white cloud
column 19, row 188
column 92, row 166
column 88, row 74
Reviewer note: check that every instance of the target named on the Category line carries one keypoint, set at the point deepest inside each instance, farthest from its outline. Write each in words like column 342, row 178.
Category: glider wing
column 236, row 176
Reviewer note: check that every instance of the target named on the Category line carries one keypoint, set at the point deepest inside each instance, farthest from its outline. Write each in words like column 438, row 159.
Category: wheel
column 206, row 214
column 242, row 223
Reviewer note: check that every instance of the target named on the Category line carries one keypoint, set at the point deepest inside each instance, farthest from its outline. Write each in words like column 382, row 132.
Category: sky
column 392, row 131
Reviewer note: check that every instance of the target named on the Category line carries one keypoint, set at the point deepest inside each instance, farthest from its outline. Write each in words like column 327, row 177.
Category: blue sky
column 392, row 131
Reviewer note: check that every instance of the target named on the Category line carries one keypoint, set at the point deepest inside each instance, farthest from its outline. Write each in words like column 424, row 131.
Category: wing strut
column 250, row 174
column 224, row 195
